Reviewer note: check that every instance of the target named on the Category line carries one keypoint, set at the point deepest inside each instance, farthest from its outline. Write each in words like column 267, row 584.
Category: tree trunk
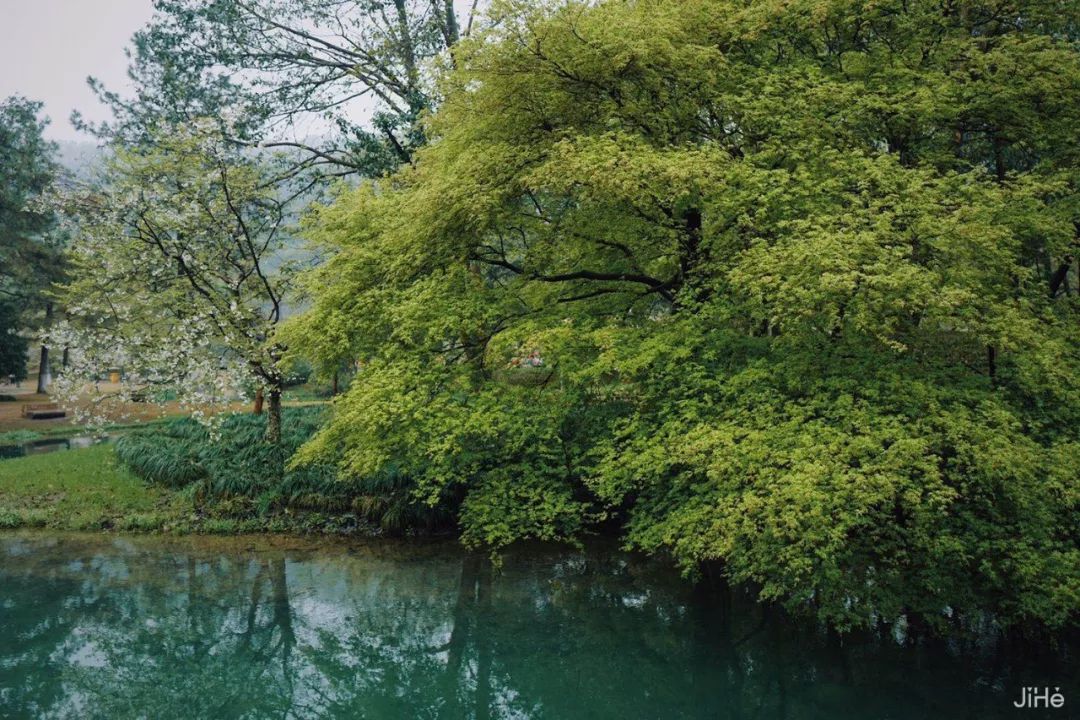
column 1000, row 169
column 258, row 409
column 450, row 19
column 407, row 50
column 273, row 419
column 334, row 390
column 1060, row 277
column 690, row 256
column 282, row 610
column 483, row 644
column 690, row 250
column 44, row 378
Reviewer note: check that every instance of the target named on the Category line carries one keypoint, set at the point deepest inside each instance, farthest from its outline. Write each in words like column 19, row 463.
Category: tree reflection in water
column 252, row 628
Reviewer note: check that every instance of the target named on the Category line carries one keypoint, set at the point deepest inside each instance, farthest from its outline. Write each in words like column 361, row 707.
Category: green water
column 102, row 627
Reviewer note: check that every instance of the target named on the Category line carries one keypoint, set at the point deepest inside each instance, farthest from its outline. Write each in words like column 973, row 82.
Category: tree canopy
column 790, row 287
column 339, row 83
column 30, row 247
column 27, row 169
column 178, row 274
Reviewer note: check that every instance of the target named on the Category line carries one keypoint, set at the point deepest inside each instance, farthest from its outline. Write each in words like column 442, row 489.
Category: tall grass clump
column 235, row 462
column 165, row 456
column 235, row 470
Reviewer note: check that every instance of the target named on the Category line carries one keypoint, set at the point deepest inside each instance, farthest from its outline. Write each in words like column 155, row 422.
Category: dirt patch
column 11, row 414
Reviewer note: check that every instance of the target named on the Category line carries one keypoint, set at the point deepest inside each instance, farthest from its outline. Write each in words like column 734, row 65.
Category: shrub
column 170, row 458
column 15, row 437
column 239, row 473
column 299, row 373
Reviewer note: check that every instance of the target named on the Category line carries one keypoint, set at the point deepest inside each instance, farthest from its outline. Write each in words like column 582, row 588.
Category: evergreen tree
column 30, row 247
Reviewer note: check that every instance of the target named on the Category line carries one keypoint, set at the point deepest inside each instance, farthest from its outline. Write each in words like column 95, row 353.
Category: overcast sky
column 48, row 47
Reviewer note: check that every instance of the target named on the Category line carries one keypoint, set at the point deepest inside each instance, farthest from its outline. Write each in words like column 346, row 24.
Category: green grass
column 91, row 490
column 14, row 437
column 82, row 490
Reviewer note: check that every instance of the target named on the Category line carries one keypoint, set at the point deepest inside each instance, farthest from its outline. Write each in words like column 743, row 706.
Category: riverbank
column 88, row 489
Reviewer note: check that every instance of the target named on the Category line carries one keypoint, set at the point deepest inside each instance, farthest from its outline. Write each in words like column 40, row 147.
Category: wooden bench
column 44, row 411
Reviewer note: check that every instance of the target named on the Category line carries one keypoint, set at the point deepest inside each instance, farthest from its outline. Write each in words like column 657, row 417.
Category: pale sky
column 49, row 47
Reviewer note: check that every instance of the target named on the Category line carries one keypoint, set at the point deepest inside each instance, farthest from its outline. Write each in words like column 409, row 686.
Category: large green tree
column 29, row 248
column 13, row 346
column 340, row 84
column 787, row 286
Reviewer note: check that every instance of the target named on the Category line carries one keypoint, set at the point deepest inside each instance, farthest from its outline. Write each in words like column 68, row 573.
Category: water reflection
column 117, row 628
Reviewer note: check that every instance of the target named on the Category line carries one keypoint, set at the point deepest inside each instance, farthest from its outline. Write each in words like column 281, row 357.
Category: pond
column 47, row 445
column 118, row 627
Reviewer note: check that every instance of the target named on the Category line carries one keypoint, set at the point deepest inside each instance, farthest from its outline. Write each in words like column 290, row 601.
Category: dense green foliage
column 13, row 346
column 29, row 249
column 788, row 286
column 233, row 467
column 27, row 168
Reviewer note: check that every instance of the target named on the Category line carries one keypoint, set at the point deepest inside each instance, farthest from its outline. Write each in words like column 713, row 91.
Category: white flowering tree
column 178, row 279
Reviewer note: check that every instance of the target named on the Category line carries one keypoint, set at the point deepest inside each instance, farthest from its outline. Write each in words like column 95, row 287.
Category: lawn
column 90, row 490
column 83, row 490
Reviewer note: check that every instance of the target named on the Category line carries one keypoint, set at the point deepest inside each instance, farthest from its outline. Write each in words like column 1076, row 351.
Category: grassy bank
column 82, row 490
column 90, row 490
